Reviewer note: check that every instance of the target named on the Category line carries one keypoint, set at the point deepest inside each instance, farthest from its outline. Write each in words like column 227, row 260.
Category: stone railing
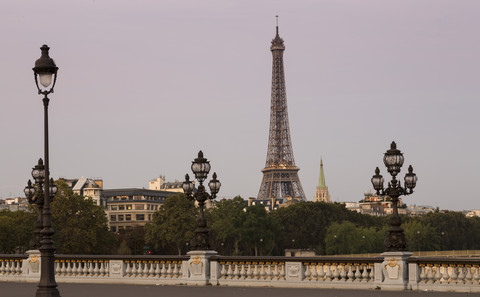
column 391, row 271
column 11, row 265
column 327, row 272
column 444, row 274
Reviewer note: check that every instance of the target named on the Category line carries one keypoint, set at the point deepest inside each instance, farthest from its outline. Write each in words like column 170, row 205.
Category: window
column 128, row 217
column 139, row 206
column 113, row 207
column 113, row 229
column 113, row 218
column 129, row 206
column 121, row 207
column 149, row 217
column 140, row 217
column 120, row 228
column 129, row 227
column 120, row 217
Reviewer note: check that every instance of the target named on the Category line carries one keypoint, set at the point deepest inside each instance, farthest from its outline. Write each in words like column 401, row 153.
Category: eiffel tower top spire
column 277, row 42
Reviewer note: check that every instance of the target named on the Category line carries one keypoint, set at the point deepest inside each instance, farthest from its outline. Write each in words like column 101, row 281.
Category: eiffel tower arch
column 280, row 175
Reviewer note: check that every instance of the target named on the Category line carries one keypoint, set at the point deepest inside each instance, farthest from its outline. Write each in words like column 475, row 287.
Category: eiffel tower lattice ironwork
column 280, row 175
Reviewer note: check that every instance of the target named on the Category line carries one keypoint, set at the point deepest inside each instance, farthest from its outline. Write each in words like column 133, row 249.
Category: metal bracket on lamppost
column 393, row 160
column 201, row 168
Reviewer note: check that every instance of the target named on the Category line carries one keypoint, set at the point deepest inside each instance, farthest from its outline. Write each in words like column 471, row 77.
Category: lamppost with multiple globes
column 45, row 74
column 393, row 160
column 35, row 195
column 201, row 168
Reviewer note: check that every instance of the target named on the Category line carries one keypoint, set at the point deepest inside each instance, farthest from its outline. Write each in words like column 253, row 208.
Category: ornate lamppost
column 45, row 74
column 201, row 168
column 35, row 195
column 393, row 160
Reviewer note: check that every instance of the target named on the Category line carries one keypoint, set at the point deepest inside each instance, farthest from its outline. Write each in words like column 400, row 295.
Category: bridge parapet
column 421, row 273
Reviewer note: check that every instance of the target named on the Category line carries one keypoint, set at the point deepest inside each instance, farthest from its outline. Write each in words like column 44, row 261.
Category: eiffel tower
column 280, row 175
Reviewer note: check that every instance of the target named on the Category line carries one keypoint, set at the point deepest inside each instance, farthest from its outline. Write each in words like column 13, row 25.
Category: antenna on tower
column 277, row 23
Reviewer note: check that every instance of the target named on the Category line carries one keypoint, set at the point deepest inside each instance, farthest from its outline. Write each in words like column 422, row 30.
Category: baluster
column 145, row 269
column 476, row 276
column 176, row 270
column 329, row 274
column 336, row 273
column 371, row 276
column 461, row 275
column 236, row 271
column 365, row 273
column 90, row 270
column 17, row 267
column 276, row 272
column 2, row 267
column 454, row 275
column 223, row 271
column 151, row 272
column 164, row 270
column 229, row 270
column 74, row 268
column 243, row 272
column 255, row 272
column 269, row 271
column 134, row 269
column 445, row 276
column 314, row 272
column 128, row 271
column 169, row 270
column 343, row 272
column 64, row 268
column 282, row 273
column 349, row 273
column 249, row 271
column 438, row 275
column 307, row 271
column 69, row 267
column 358, row 274
column 423, row 275
column 429, row 274
column 321, row 272
column 157, row 268
column 95, row 269
column 469, row 276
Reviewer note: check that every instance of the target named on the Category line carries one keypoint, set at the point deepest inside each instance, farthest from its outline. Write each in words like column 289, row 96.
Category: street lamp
column 35, row 195
column 393, row 160
column 45, row 73
column 201, row 168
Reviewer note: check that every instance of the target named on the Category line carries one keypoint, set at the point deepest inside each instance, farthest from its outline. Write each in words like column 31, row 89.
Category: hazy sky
column 144, row 85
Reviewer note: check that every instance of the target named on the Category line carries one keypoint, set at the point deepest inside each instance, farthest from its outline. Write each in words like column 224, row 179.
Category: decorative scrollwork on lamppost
column 45, row 74
column 201, row 168
column 35, row 195
column 393, row 160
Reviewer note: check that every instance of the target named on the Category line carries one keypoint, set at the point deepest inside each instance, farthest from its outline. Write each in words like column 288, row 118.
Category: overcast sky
column 144, row 85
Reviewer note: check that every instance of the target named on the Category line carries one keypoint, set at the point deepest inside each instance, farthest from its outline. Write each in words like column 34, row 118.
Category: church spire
column 321, row 192
column 321, row 181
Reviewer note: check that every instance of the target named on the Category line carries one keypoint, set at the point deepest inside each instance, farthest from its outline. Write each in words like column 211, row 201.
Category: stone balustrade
column 391, row 271
column 327, row 272
column 443, row 274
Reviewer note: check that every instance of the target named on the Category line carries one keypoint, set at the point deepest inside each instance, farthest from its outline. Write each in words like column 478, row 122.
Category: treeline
column 235, row 229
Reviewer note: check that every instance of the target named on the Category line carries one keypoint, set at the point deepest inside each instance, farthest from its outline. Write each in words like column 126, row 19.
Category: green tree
column 172, row 225
column 259, row 230
column 80, row 225
column 16, row 231
column 134, row 238
column 421, row 237
column 227, row 220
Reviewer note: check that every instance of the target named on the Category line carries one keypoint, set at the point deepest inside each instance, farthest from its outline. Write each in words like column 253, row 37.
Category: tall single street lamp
column 45, row 74
column 201, row 168
column 393, row 160
column 35, row 195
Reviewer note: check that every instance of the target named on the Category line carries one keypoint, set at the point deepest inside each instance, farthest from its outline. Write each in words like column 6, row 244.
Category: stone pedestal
column 199, row 267
column 395, row 270
column 32, row 264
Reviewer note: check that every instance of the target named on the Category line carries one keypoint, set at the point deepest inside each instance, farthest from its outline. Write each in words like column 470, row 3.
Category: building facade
column 129, row 208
